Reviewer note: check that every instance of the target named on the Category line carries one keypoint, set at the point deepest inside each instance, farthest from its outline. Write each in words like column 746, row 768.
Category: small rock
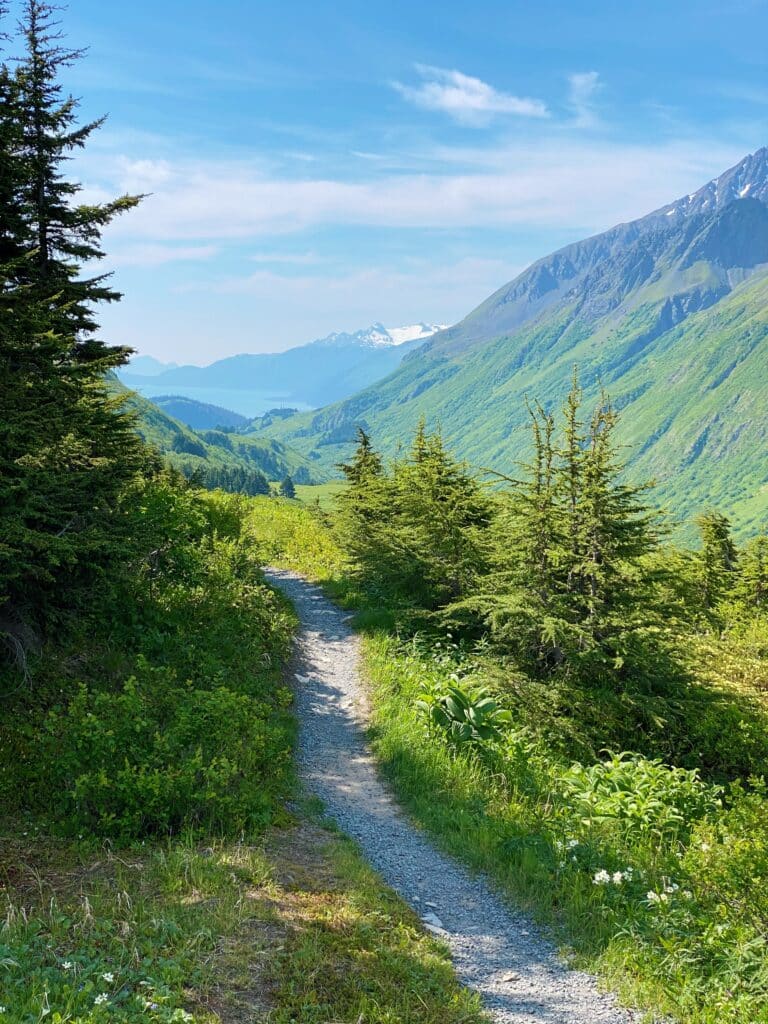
column 432, row 919
column 512, row 976
column 435, row 929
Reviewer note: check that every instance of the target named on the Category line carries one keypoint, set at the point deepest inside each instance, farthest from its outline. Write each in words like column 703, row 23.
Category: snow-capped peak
column 378, row 336
column 414, row 332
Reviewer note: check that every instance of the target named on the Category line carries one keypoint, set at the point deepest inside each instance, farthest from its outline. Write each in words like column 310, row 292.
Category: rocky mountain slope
column 668, row 312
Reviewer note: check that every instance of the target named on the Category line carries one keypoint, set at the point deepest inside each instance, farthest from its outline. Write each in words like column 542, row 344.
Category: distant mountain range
column 307, row 376
column 205, row 452
column 198, row 415
column 668, row 312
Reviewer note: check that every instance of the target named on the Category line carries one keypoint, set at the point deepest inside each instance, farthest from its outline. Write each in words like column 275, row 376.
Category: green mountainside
column 216, row 451
column 668, row 313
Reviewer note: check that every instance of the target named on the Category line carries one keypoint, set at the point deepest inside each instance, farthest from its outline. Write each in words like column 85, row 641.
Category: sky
column 319, row 166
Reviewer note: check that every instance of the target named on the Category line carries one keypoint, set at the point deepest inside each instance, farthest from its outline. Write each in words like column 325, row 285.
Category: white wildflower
column 652, row 897
column 617, row 877
column 100, row 1000
column 601, row 877
column 672, row 887
column 3, row 1009
column 67, row 965
column 572, row 843
column 687, row 894
column 705, row 847
column 108, row 976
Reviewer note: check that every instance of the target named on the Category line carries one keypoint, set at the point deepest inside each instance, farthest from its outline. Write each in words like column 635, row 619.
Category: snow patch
column 745, row 190
column 413, row 332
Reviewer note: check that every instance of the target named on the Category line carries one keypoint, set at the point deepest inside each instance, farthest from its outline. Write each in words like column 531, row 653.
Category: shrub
column 159, row 755
column 638, row 796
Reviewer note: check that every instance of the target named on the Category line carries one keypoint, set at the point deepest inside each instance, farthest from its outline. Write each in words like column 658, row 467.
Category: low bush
column 168, row 711
column 158, row 756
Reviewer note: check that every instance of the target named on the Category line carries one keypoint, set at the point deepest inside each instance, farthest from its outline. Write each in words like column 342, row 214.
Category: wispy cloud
column 575, row 183
column 464, row 98
column 155, row 255
column 583, row 86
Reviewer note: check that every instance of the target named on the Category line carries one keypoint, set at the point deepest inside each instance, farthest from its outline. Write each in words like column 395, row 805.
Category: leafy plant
column 639, row 796
column 464, row 717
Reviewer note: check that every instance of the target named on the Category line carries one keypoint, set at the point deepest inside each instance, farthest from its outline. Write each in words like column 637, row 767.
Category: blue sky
column 319, row 166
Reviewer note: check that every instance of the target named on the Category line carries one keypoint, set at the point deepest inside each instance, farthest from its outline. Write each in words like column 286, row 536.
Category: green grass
column 250, row 910
column 697, row 954
column 291, row 926
column 322, row 495
column 518, row 812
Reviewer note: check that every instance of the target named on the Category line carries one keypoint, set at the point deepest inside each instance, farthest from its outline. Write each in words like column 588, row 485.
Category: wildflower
column 652, row 897
column 572, row 843
column 2, row 1009
column 67, row 965
column 601, row 877
column 673, row 887
column 617, row 877
column 101, row 999
column 108, row 976
column 687, row 894
column 705, row 847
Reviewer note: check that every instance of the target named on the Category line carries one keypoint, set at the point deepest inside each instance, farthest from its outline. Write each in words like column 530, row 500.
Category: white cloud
column 465, row 98
column 583, row 86
column 569, row 183
column 155, row 255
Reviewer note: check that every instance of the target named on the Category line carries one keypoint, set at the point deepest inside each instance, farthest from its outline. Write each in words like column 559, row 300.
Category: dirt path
column 495, row 950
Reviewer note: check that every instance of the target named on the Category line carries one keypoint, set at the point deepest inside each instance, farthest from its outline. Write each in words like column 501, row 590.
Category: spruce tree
column 288, row 488
column 570, row 582
column 67, row 450
column 717, row 562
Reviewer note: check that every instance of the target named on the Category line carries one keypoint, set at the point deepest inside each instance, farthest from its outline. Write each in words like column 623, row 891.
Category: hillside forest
column 562, row 695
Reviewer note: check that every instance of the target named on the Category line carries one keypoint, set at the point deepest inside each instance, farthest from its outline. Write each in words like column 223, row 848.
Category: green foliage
column 176, row 716
column 571, row 585
column 642, row 798
column 412, row 530
column 159, row 756
column 287, row 488
column 466, row 718
column 651, row 875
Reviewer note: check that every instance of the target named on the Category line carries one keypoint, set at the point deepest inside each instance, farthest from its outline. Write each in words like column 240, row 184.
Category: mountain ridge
column 634, row 307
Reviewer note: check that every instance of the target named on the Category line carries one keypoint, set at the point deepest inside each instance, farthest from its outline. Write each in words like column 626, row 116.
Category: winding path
column 495, row 950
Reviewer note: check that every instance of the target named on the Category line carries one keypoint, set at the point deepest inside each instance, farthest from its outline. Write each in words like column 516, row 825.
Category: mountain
column 198, row 415
column 669, row 313
column 310, row 375
column 147, row 366
column 210, row 452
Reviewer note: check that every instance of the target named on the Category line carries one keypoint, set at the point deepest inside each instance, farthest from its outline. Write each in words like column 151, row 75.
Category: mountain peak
column 749, row 177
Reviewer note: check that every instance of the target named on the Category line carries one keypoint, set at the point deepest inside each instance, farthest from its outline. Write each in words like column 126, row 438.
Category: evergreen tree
column 412, row 532
column 570, row 580
column 751, row 586
column 442, row 515
column 287, row 488
column 717, row 563
column 66, row 449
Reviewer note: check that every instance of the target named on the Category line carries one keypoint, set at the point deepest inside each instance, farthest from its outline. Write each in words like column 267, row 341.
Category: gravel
column 495, row 950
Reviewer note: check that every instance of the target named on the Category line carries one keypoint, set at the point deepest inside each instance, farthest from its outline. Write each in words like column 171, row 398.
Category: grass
column 696, row 953
column 250, row 910
column 289, row 927
column 321, row 495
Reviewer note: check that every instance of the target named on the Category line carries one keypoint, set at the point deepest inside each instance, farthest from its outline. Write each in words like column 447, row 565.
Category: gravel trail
column 496, row 951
